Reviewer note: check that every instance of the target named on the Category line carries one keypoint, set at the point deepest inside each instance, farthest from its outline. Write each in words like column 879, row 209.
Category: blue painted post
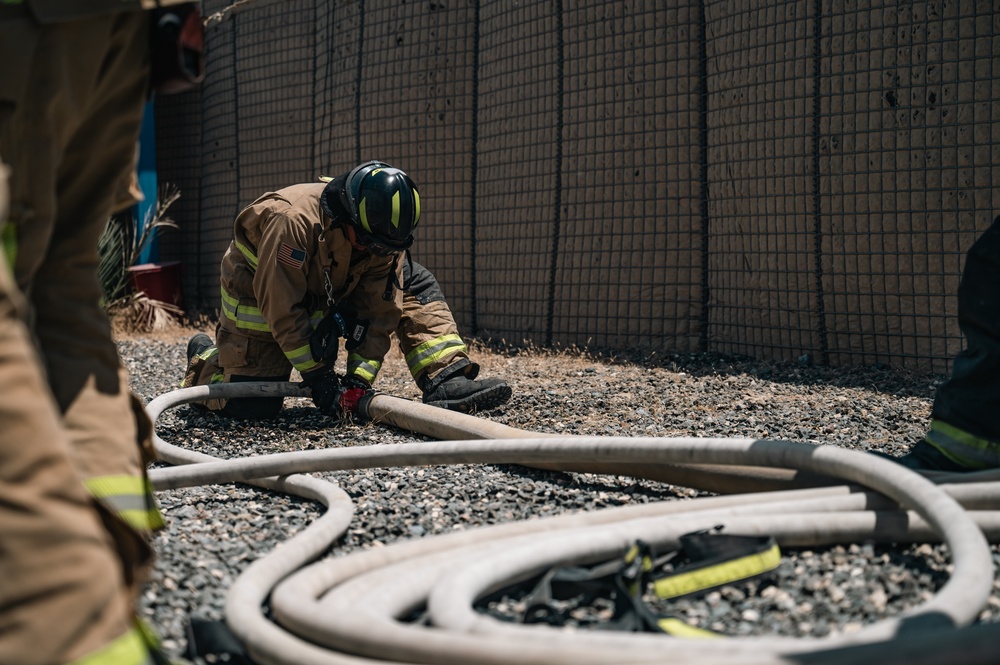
column 147, row 182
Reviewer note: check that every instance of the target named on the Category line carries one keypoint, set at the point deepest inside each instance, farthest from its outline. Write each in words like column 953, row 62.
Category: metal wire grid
column 777, row 180
column 907, row 119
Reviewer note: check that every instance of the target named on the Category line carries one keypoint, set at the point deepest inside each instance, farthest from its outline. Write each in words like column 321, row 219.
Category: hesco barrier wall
column 774, row 179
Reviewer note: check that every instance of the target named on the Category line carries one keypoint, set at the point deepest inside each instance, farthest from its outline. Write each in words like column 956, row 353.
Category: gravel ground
column 215, row 532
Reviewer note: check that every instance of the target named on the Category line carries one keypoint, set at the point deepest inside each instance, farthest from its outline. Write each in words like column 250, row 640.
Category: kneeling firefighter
column 316, row 262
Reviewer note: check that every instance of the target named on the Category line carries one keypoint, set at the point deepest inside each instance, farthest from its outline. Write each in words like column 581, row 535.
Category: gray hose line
column 253, row 585
column 450, row 604
column 299, row 593
column 942, row 513
column 969, row 548
column 357, row 615
column 450, row 425
column 353, row 619
column 363, row 607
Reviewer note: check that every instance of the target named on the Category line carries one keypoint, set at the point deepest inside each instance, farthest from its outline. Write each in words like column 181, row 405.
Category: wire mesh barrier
column 774, row 179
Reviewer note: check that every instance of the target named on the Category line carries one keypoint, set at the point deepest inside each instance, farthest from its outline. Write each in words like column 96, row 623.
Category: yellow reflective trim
column 633, row 552
column 416, row 207
column 149, row 636
column 130, row 497
column 250, row 310
column 325, row 178
column 363, row 214
column 395, row 209
column 363, row 373
column 963, row 448
column 129, row 649
column 247, row 254
column 103, row 487
column 717, row 575
column 260, row 327
column 247, row 317
column 360, row 366
column 432, row 351
column 229, row 305
column 678, row 628
column 302, row 358
column 142, row 520
column 302, row 350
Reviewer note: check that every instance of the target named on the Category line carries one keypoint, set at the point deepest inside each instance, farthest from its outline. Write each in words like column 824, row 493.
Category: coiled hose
column 345, row 610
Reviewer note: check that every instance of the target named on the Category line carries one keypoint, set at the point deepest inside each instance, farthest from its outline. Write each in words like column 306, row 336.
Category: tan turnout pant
column 71, row 99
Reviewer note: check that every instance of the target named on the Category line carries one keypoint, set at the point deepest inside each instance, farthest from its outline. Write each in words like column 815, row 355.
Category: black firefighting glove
column 326, row 391
column 335, row 396
column 340, row 322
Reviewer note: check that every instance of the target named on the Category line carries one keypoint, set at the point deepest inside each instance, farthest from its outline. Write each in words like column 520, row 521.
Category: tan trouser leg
column 246, row 358
column 428, row 337
column 70, row 141
column 61, row 590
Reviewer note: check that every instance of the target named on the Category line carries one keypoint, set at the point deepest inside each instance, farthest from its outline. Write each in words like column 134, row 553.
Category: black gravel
column 214, row 533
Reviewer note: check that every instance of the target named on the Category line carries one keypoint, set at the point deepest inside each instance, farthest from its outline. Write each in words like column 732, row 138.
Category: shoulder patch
column 291, row 256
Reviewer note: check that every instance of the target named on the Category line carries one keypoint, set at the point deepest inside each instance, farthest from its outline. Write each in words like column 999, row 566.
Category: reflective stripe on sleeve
column 249, row 317
column 130, row 497
column 247, row 254
column 363, row 367
column 301, row 358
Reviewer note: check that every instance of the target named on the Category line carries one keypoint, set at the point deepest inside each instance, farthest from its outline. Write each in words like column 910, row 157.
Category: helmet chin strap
column 352, row 237
column 392, row 282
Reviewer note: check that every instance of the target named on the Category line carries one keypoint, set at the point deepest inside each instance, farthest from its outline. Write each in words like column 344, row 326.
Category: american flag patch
column 291, row 256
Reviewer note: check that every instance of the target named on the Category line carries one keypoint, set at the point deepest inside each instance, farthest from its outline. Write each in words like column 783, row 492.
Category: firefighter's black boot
column 198, row 345
column 455, row 388
column 925, row 457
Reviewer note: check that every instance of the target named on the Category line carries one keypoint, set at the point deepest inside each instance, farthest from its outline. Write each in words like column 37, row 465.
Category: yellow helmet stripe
column 416, row 206
column 395, row 209
column 363, row 215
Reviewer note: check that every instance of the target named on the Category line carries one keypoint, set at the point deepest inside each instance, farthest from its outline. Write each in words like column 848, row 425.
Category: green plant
column 119, row 248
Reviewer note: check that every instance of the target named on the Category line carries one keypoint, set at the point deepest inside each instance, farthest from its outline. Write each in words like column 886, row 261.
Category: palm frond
column 120, row 248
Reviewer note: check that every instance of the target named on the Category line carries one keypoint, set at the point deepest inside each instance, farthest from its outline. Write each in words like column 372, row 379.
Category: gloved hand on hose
column 334, row 396
column 326, row 391
column 354, row 389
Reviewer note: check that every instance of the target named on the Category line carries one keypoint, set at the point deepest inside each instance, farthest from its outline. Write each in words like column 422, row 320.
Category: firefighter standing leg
column 965, row 427
column 69, row 137
column 435, row 353
column 64, row 597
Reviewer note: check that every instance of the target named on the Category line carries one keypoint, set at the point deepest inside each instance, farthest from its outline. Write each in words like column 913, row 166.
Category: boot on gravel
column 925, row 457
column 198, row 345
column 461, row 394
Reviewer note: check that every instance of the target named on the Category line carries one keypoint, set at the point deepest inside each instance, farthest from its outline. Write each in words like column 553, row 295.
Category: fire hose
column 347, row 610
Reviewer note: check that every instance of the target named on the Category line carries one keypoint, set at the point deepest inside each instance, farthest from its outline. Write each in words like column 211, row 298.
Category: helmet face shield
column 372, row 244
